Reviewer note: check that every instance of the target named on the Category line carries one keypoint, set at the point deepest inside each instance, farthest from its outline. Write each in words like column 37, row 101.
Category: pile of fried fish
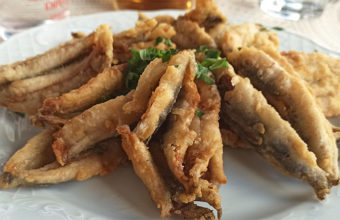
column 167, row 95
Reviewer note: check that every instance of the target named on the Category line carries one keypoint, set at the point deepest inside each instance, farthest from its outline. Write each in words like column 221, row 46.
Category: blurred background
column 323, row 28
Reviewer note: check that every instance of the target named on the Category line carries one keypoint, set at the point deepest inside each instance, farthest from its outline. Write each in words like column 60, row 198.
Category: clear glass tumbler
column 18, row 15
column 153, row 4
column 293, row 9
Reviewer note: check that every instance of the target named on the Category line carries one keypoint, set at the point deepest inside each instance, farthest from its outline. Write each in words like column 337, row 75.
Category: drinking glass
column 293, row 9
column 152, row 4
column 18, row 15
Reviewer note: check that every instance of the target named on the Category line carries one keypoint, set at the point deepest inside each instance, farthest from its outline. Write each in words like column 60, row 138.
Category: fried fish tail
column 193, row 211
column 293, row 100
column 91, row 163
column 36, row 153
column 146, row 170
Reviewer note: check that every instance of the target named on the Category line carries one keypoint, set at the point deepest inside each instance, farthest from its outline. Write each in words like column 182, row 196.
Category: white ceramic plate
column 254, row 189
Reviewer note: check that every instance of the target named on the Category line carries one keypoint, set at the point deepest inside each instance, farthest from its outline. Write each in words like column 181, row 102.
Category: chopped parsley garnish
column 140, row 59
column 158, row 40
column 277, row 28
column 199, row 113
column 176, row 66
column 202, row 73
column 212, row 61
column 209, row 53
column 202, row 48
column 167, row 41
column 218, row 63
column 212, row 54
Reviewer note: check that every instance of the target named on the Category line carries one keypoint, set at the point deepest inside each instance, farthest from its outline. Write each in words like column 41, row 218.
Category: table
column 324, row 30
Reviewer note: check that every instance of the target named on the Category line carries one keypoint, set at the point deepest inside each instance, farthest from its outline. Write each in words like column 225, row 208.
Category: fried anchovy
column 294, row 102
column 53, row 58
column 98, row 89
column 146, row 169
column 35, row 163
column 246, row 111
column 165, row 95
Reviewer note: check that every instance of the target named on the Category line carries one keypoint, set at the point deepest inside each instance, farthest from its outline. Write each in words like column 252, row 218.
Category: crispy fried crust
column 27, row 95
column 210, row 141
column 190, row 35
column 143, row 35
column 206, row 14
column 293, row 101
column 147, row 82
column 51, row 59
column 193, row 211
column 145, row 168
column 179, row 135
column 30, row 102
column 35, row 154
column 249, row 35
column 93, row 125
column 30, row 166
column 231, row 139
column 96, row 90
column 87, row 128
column 247, row 113
column 164, row 96
column 203, row 183
column 322, row 75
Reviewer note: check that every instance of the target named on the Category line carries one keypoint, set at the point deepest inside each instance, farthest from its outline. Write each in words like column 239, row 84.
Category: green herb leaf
column 168, row 42
column 212, row 53
column 208, row 62
column 166, row 54
column 212, row 61
column 202, row 73
column 158, row 40
column 278, row 28
column 201, row 70
column 219, row 64
column 202, row 48
column 140, row 59
column 176, row 66
column 199, row 113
